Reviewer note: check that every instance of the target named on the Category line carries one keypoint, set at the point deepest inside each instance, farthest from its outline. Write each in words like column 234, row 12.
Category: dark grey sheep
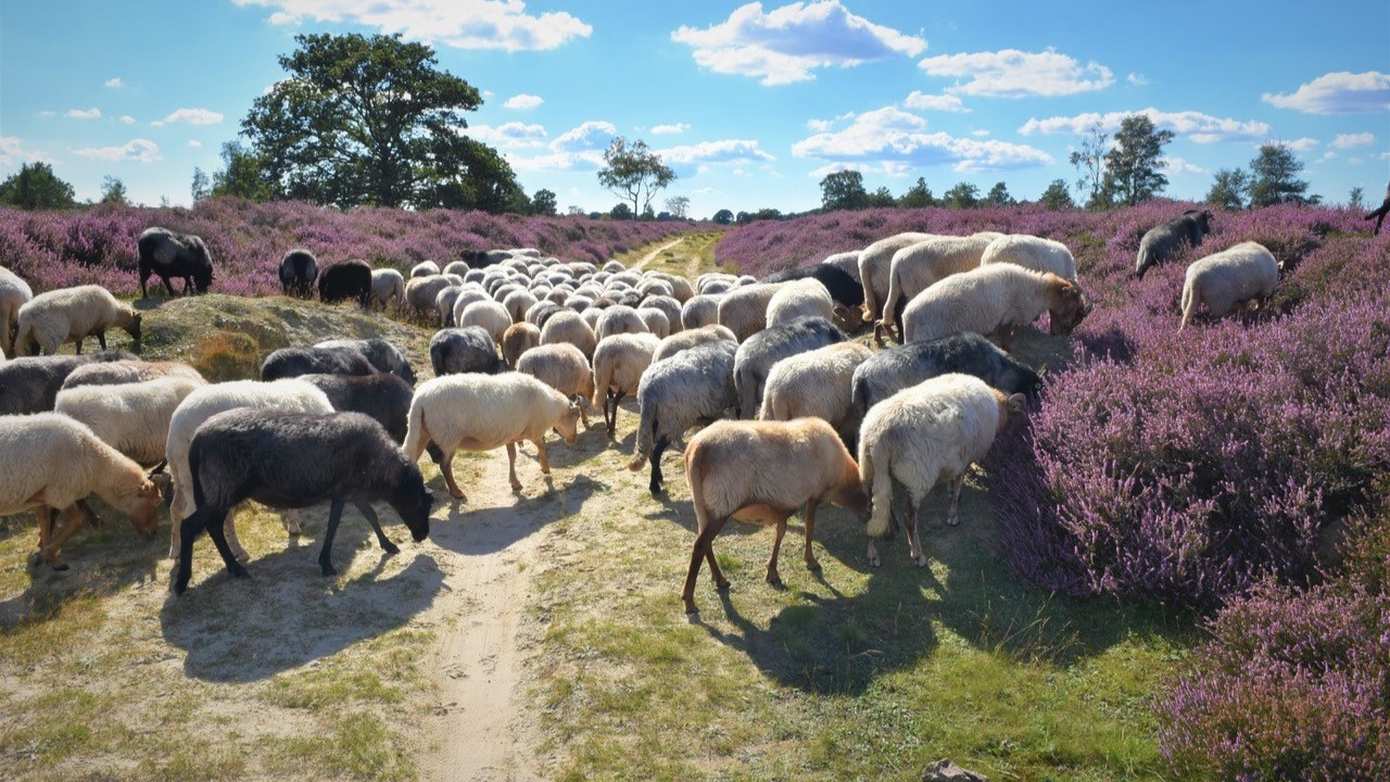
column 293, row 362
column 383, row 355
column 298, row 271
column 759, row 352
column 677, row 393
column 1165, row 241
column 382, row 396
column 346, row 280
column 294, row 460
column 469, row 349
column 31, row 384
column 167, row 254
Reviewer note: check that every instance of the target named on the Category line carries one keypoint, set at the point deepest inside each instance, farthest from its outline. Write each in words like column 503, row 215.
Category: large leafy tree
column 723, row 217
column 999, row 195
column 1133, row 167
column 1274, row 178
column 1089, row 162
column 634, row 172
column 35, row 186
column 963, row 196
column 113, row 192
column 243, row 174
column 372, row 120
column 1056, row 196
column 917, row 196
column 1228, row 188
column 843, row 190
column 678, row 206
column 543, row 202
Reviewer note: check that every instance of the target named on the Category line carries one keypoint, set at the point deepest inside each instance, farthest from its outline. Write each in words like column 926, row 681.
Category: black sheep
column 469, row 349
column 759, row 352
column 346, row 280
column 891, row 370
column 294, row 460
column 480, row 259
column 1164, row 241
column 167, row 254
column 298, row 270
column 383, row 355
column 31, row 384
column 844, row 290
column 293, row 362
column 382, row 396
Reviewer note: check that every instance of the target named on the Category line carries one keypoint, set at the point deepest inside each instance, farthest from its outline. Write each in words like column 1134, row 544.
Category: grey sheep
column 1167, row 240
column 382, row 355
column 30, row 385
column 678, row 393
column 759, row 352
column 459, row 351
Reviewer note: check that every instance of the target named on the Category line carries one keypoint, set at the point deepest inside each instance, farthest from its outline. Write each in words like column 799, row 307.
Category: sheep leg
column 335, row 515
column 914, row 536
column 101, row 339
column 237, row 550
column 872, row 555
column 773, row 577
column 144, row 277
column 188, row 530
column 703, row 549
column 720, row 582
column 654, row 486
column 77, row 342
column 953, row 514
column 69, row 521
column 167, row 286
column 544, row 456
column 365, row 508
column 447, row 467
column 45, row 519
column 808, row 517
column 216, row 526
column 511, row 467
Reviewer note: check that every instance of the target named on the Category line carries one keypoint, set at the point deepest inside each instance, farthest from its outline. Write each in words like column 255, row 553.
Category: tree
column 1133, row 170
column 843, row 190
column 648, row 213
column 620, row 212
column 243, row 174
column 544, row 203
column 573, row 210
column 723, row 217
column 201, row 187
column 35, row 186
column 634, row 172
column 113, row 191
column 1228, row 188
column 999, row 195
column 1357, row 199
column 1089, row 162
column 1274, row 177
column 678, row 206
column 962, row 196
column 1056, row 196
column 882, row 198
column 917, row 197
column 371, row 120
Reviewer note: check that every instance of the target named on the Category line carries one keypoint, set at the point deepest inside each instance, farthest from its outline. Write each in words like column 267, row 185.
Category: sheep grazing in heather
column 993, row 300
column 167, row 254
column 111, row 373
column 689, row 338
column 463, row 351
column 676, row 394
column 346, row 280
column 564, row 368
column 922, row 435
column 294, row 460
column 620, row 319
column 844, row 288
column 517, row 339
column 762, row 472
column 482, row 412
column 816, row 384
column 757, row 355
column 286, row 396
column 681, row 289
column 470, row 293
column 804, row 298
column 1165, row 241
column 479, row 259
column 489, row 315
column 618, row 364
column 444, row 304
column 1245, row 274
column 383, row 397
column 700, row 310
column 424, row 269
column 14, row 293
column 388, row 286
column 568, row 326
column 456, row 267
column 30, row 385
column 917, row 267
column 384, row 356
column 1032, row 252
column 847, row 262
column 72, row 314
column 298, row 271
column 293, row 362
column 876, row 263
column 743, row 310
column 52, row 463
column 133, row 418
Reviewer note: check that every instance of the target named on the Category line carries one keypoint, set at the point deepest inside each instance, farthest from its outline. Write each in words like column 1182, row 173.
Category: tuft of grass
column 226, row 355
column 356, row 746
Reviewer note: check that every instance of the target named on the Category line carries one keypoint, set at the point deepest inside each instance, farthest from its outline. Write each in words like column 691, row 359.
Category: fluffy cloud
column 126, row 119
column 1176, row 165
column 191, row 116
column 115, row 83
column 1201, row 128
column 1137, row 79
column 140, row 150
column 577, row 149
column 92, row 113
column 671, row 129
column 523, row 102
column 788, row 43
column 13, row 151
column 921, row 101
column 687, row 157
column 1337, row 93
column 1352, row 140
column 1010, row 73
column 509, row 135
column 463, row 24
column 892, row 135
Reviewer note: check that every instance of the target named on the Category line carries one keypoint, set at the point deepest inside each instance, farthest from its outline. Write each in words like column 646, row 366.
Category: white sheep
column 1031, row 252
column 490, row 315
column 482, row 412
column 815, row 384
column 690, row 338
column 743, row 310
column 572, row 327
column 424, row 269
column 469, row 293
column 922, row 435
column 564, row 368
column 14, row 293
column 421, row 292
column 876, row 262
column 655, row 320
column 133, row 418
column 388, row 285
column 456, row 267
column 618, row 364
column 444, row 304
column 700, row 310
column 50, row 319
column 993, row 300
column 847, row 262
column 918, row 266
column 669, row 307
column 517, row 302
column 1244, row 272
column 620, row 319
column 804, row 298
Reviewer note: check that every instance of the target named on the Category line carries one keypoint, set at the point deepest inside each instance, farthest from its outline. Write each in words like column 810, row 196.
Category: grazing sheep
column 917, row 267
column 463, row 350
column 655, row 320
column 482, row 412
column 922, row 435
column 1167, row 240
column 700, row 310
column 479, row 259
column 619, row 362
column 298, row 271
column 564, row 368
column 743, row 310
column 456, row 267
column 518, row 302
column 1032, row 252
column 30, row 385
column 568, row 326
column 167, row 254
column 541, row 311
column 111, row 373
column 689, row 338
column 421, row 292
column 762, row 472
column 517, row 339
column 613, row 267
column 669, row 307
column 387, row 286
column 843, row 288
column 490, row 315
column 133, row 418
column 50, row 319
column 424, row 269
column 620, row 319
column 757, row 355
column 14, row 293
column 876, row 263
column 382, row 355
column 444, row 304
column 804, row 298
column 383, row 397
column 993, row 300
column 294, row 460
column 816, row 384
column 1245, row 272
column 52, row 464
column 653, row 286
column 681, row 289
column 345, row 280
column 293, row 362
column 591, row 316
column 467, row 295
column 678, row 393
column 847, row 262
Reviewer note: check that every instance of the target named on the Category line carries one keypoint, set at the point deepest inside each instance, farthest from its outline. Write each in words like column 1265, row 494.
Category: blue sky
column 750, row 103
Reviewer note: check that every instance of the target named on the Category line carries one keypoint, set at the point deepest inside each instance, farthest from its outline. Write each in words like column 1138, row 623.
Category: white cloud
column 892, row 135
column 1201, row 128
column 921, row 101
column 92, row 113
column 788, row 43
column 1352, row 140
column 1337, row 93
column 1384, row 156
column 686, row 156
column 138, row 150
column 579, row 148
column 126, row 119
column 818, row 125
column 590, row 135
column 981, row 132
column 12, row 151
column 523, row 102
column 1300, row 144
column 670, row 129
column 191, row 116
column 47, row 113
column 1010, row 73
column 195, row 143
column 115, row 83
column 509, row 135
column 463, row 24
column 1176, row 165
column 1137, row 79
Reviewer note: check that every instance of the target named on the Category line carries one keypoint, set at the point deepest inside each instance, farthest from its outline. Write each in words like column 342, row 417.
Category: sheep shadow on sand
column 475, row 531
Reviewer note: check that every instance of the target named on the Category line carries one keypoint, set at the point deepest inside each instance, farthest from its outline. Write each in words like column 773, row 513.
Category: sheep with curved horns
column 133, row 418
column 294, row 460
column 676, row 394
column 568, row 326
column 918, row 266
column 519, row 338
column 1246, row 272
column 760, row 352
column 463, row 351
column 763, row 472
column 816, row 384
column 14, row 293
column 113, row 373
column 382, row 355
column 804, row 298
column 993, row 300
column 618, row 364
column 922, row 435
column 875, row 264
column 1167, row 240
column 30, row 385
column 388, row 285
column 564, row 368
column 167, row 254
column 1032, row 252
column 293, row 362
column 55, row 317
column 298, row 271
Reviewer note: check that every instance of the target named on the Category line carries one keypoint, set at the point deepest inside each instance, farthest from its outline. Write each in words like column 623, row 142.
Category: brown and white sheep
column 619, row 362
column 564, row 368
column 55, row 317
column 517, row 339
column 993, row 300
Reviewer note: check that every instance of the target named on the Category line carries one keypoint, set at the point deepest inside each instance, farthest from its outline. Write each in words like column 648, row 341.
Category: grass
column 692, row 256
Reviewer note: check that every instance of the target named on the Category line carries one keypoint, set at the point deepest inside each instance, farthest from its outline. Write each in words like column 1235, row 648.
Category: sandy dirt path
column 651, row 256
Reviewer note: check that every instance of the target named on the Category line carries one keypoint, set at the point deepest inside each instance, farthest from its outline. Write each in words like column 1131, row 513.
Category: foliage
column 543, row 202
column 1056, row 196
column 113, row 192
column 678, row 206
column 35, row 186
column 1274, row 177
column 1229, row 188
column 1089, row 162
column 1357, row 198
column 201, row 187
column 999, row 195
column 962, row 196
column 620, row 212
column 880, row 198
column 243, row 175
column 723, row 217
column 634, row 172
column 1132, row 166
column 918, row 196
column 843, row 190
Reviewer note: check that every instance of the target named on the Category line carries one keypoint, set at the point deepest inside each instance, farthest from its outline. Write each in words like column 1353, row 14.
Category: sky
column 750, row 104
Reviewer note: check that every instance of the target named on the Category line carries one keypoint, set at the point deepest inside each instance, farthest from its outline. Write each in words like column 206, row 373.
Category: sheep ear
column 157, row 469
column 1017, row 404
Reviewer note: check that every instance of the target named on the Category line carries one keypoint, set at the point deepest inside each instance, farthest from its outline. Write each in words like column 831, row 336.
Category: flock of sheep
column 528, row 345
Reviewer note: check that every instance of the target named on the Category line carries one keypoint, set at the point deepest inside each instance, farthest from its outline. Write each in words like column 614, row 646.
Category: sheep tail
column 415, row 433
column 646, row 435
column 1189, row 304
column 880, row 479
column 696, row 477
column 603, row 375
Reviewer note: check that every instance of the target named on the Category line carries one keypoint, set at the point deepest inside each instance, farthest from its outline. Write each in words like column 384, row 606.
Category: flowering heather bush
column 60, row 248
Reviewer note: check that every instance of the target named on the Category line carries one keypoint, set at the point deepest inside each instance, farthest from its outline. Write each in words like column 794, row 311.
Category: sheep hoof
column 34, row 559
column 775, row 580
column 391, row 548
column 722, row 586
column 516, row 486
column 328, row 569
column 58, row 567
column 239, row 571
column 874, row 561
column 690, row 609
column 813, row 566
